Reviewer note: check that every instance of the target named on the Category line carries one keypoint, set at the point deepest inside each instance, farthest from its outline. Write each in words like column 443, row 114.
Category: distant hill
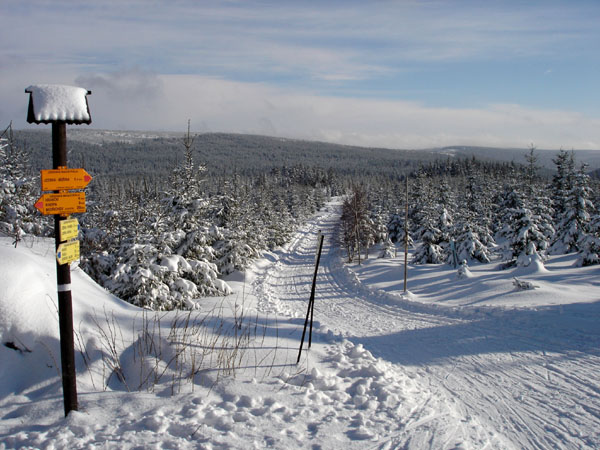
column 517, row 155
column 126, row 153
column 123, row 153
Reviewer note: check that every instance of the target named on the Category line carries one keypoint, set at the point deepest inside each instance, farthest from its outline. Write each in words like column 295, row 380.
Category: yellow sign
column 68, row 229
column 64, row 179
column 67, row 252
column 63, row 203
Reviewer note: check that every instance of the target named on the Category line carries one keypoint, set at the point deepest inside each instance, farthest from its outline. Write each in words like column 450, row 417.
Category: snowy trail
column 489, row 377
column 470, row 363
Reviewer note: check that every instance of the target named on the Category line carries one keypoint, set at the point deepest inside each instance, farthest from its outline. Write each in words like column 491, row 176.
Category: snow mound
column 28, row 307
column 29, row 350
column 529, row 265
column 463, row 271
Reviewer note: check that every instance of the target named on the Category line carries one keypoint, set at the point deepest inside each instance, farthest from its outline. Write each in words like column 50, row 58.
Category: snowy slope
column 457, row 363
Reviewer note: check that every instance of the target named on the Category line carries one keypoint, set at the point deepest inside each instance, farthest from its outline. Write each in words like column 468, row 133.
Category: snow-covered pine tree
column 421, row 209
column 165, row 259
column 235, row 244
column 576, row 216
column 519, row 232
column 370, row 235
column 527, row 241
column 430, row 219
column 18, row 191
column 531, row 168
column 435, row 240
column 468, row 245
column 380, row 228
column 590, row 244
column 429, row 252
column 562, row 183
column 190, row 233
column 536, row 198
column 446, row 198
column 396, row 229
column 472, row 227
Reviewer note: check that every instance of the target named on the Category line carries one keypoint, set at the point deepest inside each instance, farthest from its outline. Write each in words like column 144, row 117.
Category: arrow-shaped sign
column 67, row 252
column 64, row 179
column 63, row 203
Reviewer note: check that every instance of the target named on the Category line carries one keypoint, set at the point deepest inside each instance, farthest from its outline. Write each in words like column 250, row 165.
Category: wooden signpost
column 61, row 105
column 61, row 203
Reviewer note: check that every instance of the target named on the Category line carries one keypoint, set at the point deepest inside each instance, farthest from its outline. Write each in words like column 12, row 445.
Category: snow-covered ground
column 458, row 362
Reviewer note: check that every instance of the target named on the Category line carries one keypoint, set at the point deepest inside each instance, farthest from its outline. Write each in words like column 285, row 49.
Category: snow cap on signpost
column 50, row 103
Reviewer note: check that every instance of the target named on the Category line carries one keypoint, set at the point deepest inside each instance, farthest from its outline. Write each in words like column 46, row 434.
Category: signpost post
column 61, row 105
column 63, row 281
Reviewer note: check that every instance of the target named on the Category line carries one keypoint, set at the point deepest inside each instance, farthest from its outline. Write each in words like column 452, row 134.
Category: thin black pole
column 311, row 303
column 406, row 238
column 312, row 292
column 63, row 279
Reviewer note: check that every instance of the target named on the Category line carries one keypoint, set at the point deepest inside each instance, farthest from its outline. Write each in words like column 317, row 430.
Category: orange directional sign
column 63, row 203
column 64, row 179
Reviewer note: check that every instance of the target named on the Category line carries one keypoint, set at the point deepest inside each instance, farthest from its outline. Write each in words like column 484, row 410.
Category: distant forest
column 125, row 153
column 223, row 154
column 169, row 214
column 115, row 156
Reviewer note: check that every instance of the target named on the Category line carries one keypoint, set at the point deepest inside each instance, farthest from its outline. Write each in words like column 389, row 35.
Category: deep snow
column 458, row 362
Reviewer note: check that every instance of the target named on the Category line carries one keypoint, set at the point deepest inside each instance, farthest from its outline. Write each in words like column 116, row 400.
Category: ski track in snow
column 488, row 377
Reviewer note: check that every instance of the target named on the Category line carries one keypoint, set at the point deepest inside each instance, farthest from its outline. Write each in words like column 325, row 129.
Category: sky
column 395, row 74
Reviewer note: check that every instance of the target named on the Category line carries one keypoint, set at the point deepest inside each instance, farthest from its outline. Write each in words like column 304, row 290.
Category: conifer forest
column 168, row 216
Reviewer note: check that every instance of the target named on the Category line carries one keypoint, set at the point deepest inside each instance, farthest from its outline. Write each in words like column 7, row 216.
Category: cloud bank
column 406, row 74
column 138, row 100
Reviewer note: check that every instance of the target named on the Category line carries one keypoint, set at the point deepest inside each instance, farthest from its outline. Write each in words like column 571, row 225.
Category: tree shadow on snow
column 560, row 329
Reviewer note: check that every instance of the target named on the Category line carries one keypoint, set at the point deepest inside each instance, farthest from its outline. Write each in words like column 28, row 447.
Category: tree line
column 162, row 239
column 470, row 210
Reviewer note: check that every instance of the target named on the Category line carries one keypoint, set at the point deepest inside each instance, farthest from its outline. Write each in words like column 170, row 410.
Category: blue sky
column 399, row 74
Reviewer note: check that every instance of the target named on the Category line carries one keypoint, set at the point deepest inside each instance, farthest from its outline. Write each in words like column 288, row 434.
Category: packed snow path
column 503, row 378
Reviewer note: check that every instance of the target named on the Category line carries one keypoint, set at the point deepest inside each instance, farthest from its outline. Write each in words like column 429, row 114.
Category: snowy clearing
column 469, row 362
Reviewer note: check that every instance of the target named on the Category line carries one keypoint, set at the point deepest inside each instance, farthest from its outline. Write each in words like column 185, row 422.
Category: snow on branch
column 523, row 285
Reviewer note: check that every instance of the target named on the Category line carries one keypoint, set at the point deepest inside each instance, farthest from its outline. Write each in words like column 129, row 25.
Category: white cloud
column 126, row 85
column 134, row 99
column 194, row 59
column 221, row 105
column 357, row 39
